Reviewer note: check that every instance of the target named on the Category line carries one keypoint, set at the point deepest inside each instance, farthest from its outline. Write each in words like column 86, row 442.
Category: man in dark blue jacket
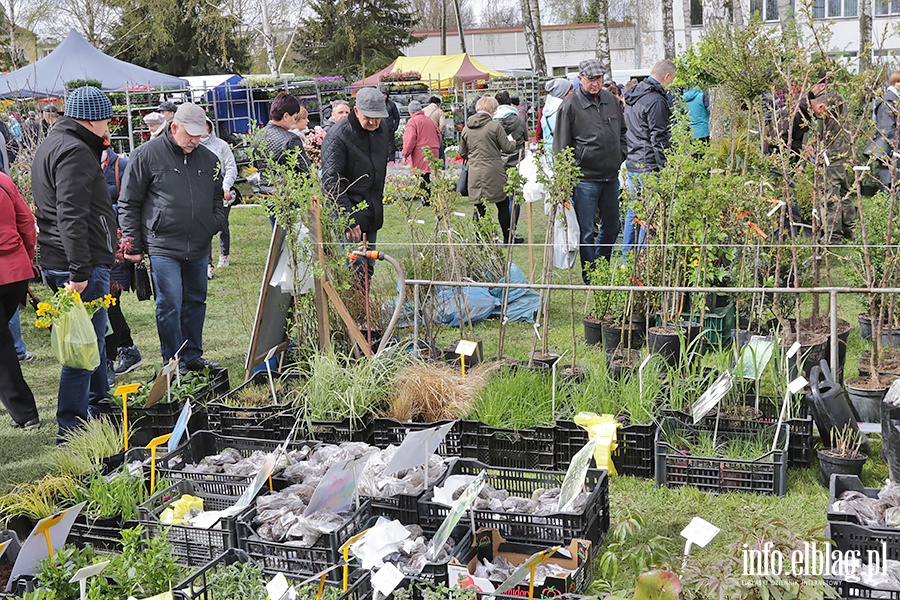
column 648, row 115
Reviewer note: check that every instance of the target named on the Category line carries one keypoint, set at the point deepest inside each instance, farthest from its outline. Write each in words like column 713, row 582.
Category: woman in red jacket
column 17, row 239
column 420, row 133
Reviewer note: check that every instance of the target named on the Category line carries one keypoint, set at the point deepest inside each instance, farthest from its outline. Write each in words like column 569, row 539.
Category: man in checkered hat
column 77, row 232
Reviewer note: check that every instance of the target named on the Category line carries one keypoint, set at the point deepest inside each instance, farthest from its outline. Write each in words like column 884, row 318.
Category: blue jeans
column 80, row 390
column 180, row 287
column 591, row 198
column 15, row 327
column 633, row 235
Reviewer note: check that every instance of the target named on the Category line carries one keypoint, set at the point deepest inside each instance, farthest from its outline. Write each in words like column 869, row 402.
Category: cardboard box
column 489, row 543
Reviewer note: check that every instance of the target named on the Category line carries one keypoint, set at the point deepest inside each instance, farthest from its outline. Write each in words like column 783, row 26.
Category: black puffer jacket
column 75, row 217
column 594, row 127
column 648, row 115
column 354, row 165
column 171, row 202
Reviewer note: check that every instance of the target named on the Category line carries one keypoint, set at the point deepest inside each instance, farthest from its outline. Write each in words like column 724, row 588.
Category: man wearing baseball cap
column 590, row 121
column 77, row 232
column 354, row 164
column 171, row 206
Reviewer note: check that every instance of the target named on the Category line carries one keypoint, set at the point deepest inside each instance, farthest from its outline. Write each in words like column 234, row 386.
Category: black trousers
column 121, row 332
column 14, row 391
column 504, row 216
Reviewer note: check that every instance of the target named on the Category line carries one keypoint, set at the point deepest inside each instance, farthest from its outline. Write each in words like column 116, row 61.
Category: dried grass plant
column 435, row 392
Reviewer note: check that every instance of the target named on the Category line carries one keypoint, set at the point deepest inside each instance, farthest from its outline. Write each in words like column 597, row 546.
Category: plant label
column 861, row 168
column 49, row 533
column 700, row 532
column 776, row 208
column 386, row 579
column 417, row 448
column 180, row 426
column 259, row 481
column 795, row 347
column 279, row 589
column 81, row 576
column 577, row 471
column 336, row 490
column 755, row 356
column 796, row 385
column 162, row 385
column 459, row 214
column 466, row 347
column 711, row 397
column 459, row 508
column 4, row 546
column 526, row 569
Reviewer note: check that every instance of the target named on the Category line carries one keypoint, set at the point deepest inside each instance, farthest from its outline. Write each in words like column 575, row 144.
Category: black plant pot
column 890, row 337
column 815, row 349
column 593, row 331
column 615, row 337
column 693, row 333
column 665, row 341
column 890, row 438
column 568, row 374
column 835, row 465
column 865, row 326
column 547, row 359
column 866, row 402
column 622, row 362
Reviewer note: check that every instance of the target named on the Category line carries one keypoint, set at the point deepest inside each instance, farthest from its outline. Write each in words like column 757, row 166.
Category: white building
column 637, row 43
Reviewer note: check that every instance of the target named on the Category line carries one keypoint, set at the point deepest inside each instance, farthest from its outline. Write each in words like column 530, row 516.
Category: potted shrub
column 843, row 457
column 610, row 317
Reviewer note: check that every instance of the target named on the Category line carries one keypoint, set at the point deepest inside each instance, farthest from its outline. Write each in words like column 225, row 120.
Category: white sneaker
column 224, row 261
column 209, row 272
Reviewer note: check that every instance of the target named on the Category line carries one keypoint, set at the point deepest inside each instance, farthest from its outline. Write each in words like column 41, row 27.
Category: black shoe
column 111, row 373
column 518, row 240
column 200, row 364
column 129, row 360
column 32, row 424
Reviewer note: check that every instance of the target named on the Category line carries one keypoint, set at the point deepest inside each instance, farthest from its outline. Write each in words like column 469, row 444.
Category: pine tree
column 355, row 38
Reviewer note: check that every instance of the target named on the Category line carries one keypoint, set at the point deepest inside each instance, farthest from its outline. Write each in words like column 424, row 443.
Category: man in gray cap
column 77, row 233
column 354, row 164
column 170, row 206
column 590, row 121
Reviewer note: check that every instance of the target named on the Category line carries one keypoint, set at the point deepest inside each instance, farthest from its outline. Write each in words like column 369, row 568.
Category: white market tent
column 75, row 59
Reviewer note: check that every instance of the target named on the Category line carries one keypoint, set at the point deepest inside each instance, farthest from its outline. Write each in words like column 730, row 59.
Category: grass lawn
column 233, row 294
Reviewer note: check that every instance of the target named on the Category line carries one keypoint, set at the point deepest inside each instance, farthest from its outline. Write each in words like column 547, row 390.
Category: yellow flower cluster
column 62, row 302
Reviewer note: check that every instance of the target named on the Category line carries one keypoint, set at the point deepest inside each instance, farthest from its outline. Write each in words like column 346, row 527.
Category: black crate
column 848, row 590
column 633, row 454
column 191, row 546
column 800, row 445
column 351, row 429
column 387, row 432
column 206, row 443
column 102, row 534
column 145, row 424
column 530, row 448
column 402, row 507
column 558, row 528
column 846, row 483
column 295, row 561
column 860, row 539
column 766, row 474
column 273, row 422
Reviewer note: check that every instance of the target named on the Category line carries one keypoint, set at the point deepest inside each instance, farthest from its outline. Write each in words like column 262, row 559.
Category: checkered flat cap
column 88, row 104
column 591, row 68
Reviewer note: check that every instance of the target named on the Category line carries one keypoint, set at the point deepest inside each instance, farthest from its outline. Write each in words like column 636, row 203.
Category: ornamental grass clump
column 84, row 448
column 433, row 392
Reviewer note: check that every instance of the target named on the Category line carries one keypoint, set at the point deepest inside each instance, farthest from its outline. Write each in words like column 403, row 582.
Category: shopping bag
column 142, row 287
column 74, row 341
column 462, row 185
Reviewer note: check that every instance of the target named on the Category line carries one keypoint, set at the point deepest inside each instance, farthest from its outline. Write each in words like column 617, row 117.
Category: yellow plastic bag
column 73, row 340
column 603, row 427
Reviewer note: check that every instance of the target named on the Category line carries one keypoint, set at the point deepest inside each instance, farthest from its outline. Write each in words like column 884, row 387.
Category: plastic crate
column 334, row 432
column 846, row 483
column 766, row 474
column 858, row 538
column 403, row 507
column 99, row 533
column 206, row 443
column 144, row 424
column 386, row 432
column 273, row 422
column 718, row 325
column 633, row 454
column 848, row 590
column 295, row 561
column 530, row 448
column 191, row 546
column 592, row 524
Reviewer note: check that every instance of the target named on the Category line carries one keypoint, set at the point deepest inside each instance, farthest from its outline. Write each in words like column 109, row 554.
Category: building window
column 696, row 13
column 887, row 7
column 563, row 71
column 833, row 9
column 767, row 9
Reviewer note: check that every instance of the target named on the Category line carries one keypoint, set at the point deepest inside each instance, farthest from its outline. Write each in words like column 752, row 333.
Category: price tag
column 124, row 391
column 417, row 448
column 336, row 490
column 386, row 579
column 81, row 576
column 466, row 347
column 576, row 473
column 180, row 426
column 700, row 532
column 163, row 384
column 49, row 533
column 796, row 385
column 279, row 589
column 793, row 350
column 459, row 508
column 711, row 397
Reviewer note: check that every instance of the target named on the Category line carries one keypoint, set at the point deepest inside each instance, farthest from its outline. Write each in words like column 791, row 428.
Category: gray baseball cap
column 370, row 102
column 192, row 117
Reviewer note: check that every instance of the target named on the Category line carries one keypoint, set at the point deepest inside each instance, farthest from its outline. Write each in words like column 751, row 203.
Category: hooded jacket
column 515, row 126
column 482, row 143
column 354, row 165
column 171, row 201
column 697, row 103
column 648, row 115
column 77, row 226
column 595, row 128
column 886, row 116
column 223, row 152
column 420, row 133
column 548, row 120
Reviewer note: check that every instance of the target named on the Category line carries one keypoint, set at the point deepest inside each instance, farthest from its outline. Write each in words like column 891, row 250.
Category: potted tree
column 610, row 317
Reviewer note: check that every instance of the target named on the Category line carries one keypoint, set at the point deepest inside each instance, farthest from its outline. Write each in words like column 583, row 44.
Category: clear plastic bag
column 73, row 340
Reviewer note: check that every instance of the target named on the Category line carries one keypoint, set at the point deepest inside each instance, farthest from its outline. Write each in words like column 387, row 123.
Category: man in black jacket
column 77, row 232
column 170, row 206
column 391, row 122
column 354, row 156
column 648, row 115
column 590, row 121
